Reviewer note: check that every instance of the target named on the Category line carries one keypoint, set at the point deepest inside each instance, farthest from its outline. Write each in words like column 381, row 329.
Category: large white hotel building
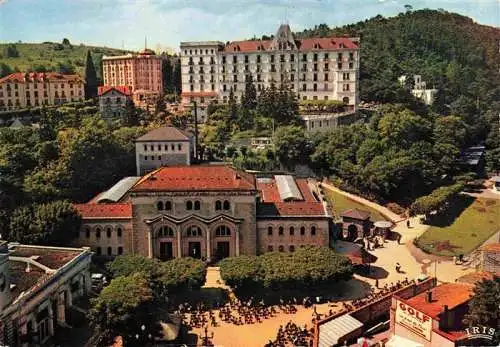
column 316, row 68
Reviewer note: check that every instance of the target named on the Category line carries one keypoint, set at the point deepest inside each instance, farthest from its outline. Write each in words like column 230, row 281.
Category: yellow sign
column 413, row 320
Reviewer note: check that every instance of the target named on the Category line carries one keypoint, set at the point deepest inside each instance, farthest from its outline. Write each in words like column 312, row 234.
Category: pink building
column 142, row 73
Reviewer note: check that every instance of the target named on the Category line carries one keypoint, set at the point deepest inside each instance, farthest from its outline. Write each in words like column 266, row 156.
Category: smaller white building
column 420, row 90
column 38, row 285
column 327, row 121
column 165, row 146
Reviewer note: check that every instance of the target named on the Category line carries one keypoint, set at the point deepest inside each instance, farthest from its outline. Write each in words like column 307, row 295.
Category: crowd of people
column 292, row 335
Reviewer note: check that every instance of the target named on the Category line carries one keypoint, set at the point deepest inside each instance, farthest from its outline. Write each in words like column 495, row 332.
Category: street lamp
column 207, row 337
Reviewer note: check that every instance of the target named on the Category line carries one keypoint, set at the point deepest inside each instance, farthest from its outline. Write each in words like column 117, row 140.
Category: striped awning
column 331, row 332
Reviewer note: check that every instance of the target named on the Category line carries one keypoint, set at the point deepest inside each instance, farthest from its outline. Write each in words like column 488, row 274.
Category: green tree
column 5, row 70
column 292, row 145
column 249, row 98
column 10, row 51
column 122, row 308
column 66, row 42
column 483, row 306
column 55, row 223
column 90, row 76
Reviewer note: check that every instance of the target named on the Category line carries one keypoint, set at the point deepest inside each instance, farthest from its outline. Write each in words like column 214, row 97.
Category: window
column 108, row 232
column 315, row 87
column 110, row 251
column 304, row 57
column 159, row 205
column 172, row 147
column 270, row 248
column 218, row 205
column 315, row 77
column 269, row 231
column 339, row 65
column 165, row 231
column 189, row 205
column 179, row 147
column 197, row 205
column 168, row 205
column 326, row 67
column 159, row 147
column 223, row 230
column 227, row 205
column 345, row 87
column 159, row 157
column 326, row 77
column 292, row 58
column 145, row 148
column 292, row 231
column 313, row 230
column 351, row 65
column 120, row 250
column 152, row 147
column 272, row 59
column 292, row 248
column 304, row 87
column 193, row 231
column 292, row 77
column 98, row 251
column 302, row 230
column 119, row 232
column 280, row 230
column 145, row 157
column 281, row 248
column 326, row 55
column 235, row 78
column 325, row 87
column 98, row 233
column 87, row 233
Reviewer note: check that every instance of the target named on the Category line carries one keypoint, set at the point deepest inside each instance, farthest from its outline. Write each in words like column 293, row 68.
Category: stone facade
column 208, row 212
column 316, row 69
column 24, row 90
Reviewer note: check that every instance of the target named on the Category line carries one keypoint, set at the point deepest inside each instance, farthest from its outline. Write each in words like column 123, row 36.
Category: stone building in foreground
column 38, row 285
column 205, row 211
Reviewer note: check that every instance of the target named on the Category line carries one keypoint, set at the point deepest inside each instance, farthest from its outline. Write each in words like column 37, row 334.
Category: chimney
column 428, row 296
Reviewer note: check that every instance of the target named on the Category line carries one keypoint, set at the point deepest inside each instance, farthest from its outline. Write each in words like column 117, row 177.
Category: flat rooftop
column 50, row 257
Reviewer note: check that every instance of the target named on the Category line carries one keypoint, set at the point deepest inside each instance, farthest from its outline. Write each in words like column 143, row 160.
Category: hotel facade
column 23, row 90
column 315, row 68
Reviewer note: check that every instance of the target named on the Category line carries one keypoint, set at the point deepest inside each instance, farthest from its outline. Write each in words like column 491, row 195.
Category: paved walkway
column 383, row 210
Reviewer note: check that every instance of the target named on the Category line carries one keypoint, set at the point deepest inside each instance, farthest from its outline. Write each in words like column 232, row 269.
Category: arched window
column 165, row 231
column 269, row 230
column 120, row 250
column 313, row 230
column 292, row 230
column 87, row 233
column 197, row 205
column 159, row 205
column 218, row 205
column 222, row 230
column 227, row 205
column 98, row 251
column 98, row 233
column 189, row 205
column 119, row 232
column 110, row 251
column 108, row 232
column 281, row 248
column 302, row 230
column 280, row 230
column 345, row 100
column 270, row 248
column 168, row 205
column 193, row 231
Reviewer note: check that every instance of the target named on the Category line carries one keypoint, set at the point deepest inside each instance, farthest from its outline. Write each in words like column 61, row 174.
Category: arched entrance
column 165, row 237
column 193, row 238
column 222, row 242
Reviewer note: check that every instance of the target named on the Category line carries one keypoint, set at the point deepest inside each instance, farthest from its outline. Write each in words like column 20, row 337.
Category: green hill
column 450, row 51
column 50, row 56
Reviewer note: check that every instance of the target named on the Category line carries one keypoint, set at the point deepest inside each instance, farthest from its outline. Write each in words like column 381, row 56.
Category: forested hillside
column 50, row 56
column 450, row 51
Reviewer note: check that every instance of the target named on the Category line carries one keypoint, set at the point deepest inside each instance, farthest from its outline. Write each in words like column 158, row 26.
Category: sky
column 165, row 23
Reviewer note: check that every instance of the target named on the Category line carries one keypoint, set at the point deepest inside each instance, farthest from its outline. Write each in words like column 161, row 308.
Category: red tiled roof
column 196, row 94
column 324, row 43
column 118, row 210
column 19, row 77
column 248, row 46
column 450, row 294
column 272, row 205
column 125, row 90
column 492, row 247
column 192, row 178
column 356, row 214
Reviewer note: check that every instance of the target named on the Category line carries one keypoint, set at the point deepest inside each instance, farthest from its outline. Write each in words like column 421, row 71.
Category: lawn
column 468, row 224
column 342, row 203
